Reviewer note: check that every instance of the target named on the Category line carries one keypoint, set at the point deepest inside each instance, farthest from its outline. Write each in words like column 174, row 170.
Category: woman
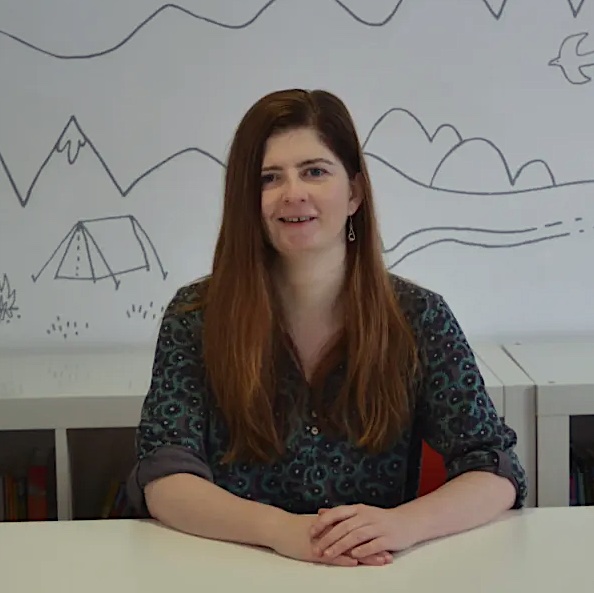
column 293, row 387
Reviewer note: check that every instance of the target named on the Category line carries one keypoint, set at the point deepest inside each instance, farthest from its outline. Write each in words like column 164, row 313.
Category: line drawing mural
column 576, row 6
column 440, row 161
column 495, row 7
column 144, row 312
column 71, row 141
column 196, row 16
column 453, row 156
column 8, row 308
column 571, row 62
column 486, row 238
column 66, row 328
column 101, row 248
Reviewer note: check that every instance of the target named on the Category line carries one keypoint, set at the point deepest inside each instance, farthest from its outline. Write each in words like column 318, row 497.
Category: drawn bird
column 571, row 62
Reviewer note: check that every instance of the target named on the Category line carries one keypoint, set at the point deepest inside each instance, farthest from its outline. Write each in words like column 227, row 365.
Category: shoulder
column 184, row 313
column 420, row 305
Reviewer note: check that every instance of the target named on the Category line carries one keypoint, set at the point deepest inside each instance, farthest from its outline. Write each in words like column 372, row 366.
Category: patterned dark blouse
column 181, row 431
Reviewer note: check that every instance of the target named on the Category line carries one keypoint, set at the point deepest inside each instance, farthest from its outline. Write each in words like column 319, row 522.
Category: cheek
column 268, row 205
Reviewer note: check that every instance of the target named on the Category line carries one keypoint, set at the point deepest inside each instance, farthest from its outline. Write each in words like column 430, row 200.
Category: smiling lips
column 296, row 219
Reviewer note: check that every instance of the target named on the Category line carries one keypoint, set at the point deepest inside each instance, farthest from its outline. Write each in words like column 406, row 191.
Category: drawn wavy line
column 460, row 229
column 124, row 191
column 199, row 17
column 474, row 192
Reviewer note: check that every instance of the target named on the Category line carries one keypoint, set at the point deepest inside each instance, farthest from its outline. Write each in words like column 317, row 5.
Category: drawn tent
column 102, row 248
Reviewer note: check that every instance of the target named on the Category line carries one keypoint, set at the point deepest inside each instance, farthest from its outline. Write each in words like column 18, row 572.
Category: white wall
column 451, row 98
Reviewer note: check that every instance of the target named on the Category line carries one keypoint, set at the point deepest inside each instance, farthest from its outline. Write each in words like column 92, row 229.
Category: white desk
column 519, row 408
column 564, row 376
column 518, row 553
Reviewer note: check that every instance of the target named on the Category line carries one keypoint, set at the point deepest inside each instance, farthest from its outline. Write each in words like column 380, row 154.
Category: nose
column 294, row 189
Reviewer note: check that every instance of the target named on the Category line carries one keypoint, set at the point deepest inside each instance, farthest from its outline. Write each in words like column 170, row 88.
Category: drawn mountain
column 476, row 165
column 402, row 140
column 444, row 159
column 73, row 160
column 377, row 14
column 74, row 167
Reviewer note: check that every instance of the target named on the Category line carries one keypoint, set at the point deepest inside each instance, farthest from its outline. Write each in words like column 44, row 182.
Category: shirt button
column 314, row 430
column 314, row 414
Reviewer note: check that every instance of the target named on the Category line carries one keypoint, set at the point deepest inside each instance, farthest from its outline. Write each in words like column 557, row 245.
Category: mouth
column 296, row 219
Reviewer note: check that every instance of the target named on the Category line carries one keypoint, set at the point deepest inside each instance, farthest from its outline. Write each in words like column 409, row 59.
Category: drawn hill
column 414, row 218
column 353, row 8
column 74, row 150
column 447, row 161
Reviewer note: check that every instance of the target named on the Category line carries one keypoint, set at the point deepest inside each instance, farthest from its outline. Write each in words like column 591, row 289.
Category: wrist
column 411, row 523
column 272, row 526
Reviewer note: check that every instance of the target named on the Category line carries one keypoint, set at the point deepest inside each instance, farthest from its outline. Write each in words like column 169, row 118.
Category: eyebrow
column 302, row 164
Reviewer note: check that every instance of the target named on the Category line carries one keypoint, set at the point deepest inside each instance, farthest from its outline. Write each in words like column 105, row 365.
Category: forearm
column 470, row 500
column 194, row 505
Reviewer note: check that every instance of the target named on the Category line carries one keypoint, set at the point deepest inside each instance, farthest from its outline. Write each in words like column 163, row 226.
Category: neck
column 311, row 285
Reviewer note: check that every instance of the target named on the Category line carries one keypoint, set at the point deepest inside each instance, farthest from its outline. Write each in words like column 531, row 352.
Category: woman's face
column 306, row 194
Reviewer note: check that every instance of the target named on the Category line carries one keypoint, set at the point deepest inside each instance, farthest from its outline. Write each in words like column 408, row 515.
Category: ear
column 356, row 196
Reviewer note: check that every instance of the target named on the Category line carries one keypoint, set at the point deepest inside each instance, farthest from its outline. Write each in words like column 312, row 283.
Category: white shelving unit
column 563, row 372
column 519, row 407
column 88, row 403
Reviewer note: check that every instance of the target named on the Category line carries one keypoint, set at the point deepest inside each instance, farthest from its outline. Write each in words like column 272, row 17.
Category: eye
column 268, row 178
column 316, row 171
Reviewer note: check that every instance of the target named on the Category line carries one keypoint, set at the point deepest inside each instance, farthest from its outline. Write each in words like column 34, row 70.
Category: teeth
column 297, row 218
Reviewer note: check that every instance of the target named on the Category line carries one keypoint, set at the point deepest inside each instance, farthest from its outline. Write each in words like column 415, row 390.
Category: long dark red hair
column 242, row 326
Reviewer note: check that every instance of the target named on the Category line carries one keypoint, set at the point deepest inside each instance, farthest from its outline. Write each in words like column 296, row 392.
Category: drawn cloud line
column 501, row 239
column 175, row 7
column 64, row 144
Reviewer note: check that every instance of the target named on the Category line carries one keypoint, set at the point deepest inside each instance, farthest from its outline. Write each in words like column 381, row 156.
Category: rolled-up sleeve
column 457, row 417
column 172, row 434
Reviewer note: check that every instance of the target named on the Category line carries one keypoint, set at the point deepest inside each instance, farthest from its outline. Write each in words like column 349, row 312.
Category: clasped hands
column 358, row 534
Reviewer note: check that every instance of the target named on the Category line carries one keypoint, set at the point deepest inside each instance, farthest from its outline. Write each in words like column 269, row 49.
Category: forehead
column 285, row 149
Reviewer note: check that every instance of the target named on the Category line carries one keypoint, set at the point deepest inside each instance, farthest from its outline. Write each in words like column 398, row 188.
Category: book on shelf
column 26, row 495
column 115, row 501
column 581, row 480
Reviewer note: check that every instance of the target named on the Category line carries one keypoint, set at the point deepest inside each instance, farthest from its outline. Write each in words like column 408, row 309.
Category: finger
column 369, row 548
column 353, row 539
column 343, row 560
column 331, row 536
column 376, row 559
column 331, row 517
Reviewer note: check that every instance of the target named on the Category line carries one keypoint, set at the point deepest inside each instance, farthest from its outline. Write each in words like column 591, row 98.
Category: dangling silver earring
column 351, row 236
